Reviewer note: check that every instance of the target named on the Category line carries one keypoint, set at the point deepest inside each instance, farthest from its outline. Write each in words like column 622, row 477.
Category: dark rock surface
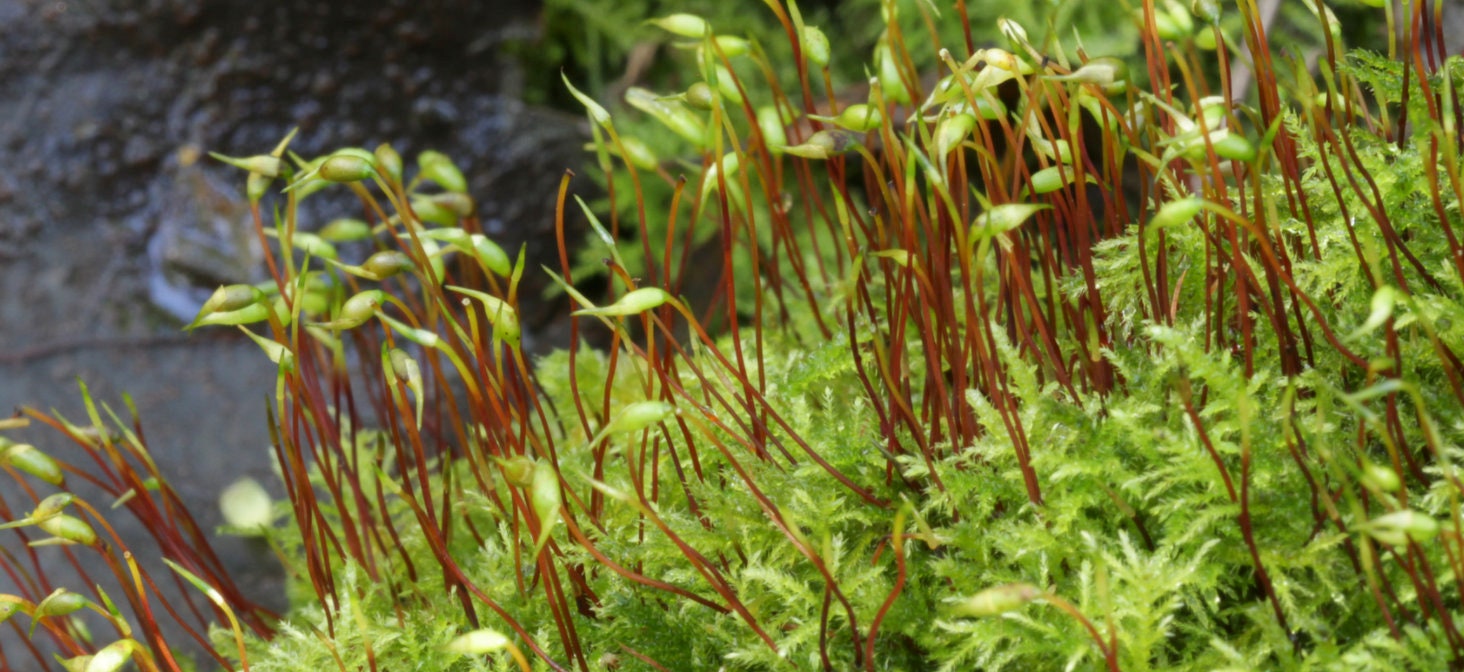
column 110, row 224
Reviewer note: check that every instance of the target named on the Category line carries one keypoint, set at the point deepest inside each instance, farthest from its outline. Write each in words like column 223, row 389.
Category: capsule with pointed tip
column 700, row 96
column 1003, row 218
column 111, row 657
column 1400, row 527
column 637, row 153
column 671, row 113
column 684, row 25
column 357, row 310
column 518, row 470
column 823, row 145
column 437, row 167
column 545, row 497
column 345, row 168
column 1106, row 72
column 345, row 230
column 640, row 415
column 477, row 643
column 633, row 303
column 1177, row 212
column 888, row 74
column 69, row 529
column 859, row 118
column 263, row 164
column 386, row 263
column 997, row 600
column 951, row 132
column 770, row 122
column 389, row 160
column 29, row 459
column 815, row 45
column 59, row 603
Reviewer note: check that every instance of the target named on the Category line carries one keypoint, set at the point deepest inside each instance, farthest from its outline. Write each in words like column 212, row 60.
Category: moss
column 1199, row 410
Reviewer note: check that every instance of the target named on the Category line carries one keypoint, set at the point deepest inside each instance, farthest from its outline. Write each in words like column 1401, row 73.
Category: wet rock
column 103, row 95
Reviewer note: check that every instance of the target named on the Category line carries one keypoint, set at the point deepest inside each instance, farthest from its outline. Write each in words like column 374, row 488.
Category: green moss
column 1222, row 443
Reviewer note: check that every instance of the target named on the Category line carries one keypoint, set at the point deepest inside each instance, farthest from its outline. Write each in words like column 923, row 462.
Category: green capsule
column 640, row 415
column 1051, row 179
column 730, row 163
column 407, row 371
column 59, row 603
column 1169, row 25
column 490, row 254
column 250, row 314
column 815, row 45
column 700, row 96
column 823, row 145
column 263, row 164
column 518, row 470
column 477, row 643
column 389, row 160
column 437, row 167
column 860, row 118
column 684, row 25
column 1400, row 527
column 343, row 168
column 8, row 609
column 888, row 74
column 345, row 230
column 311, row 244
column 232, row 297
column 112, row 657
column 27, row 458
column 997, row 600
column 732, row 46
column 770, row 122
column 52, row 505
column 1003, row 60
column 1177, row 212
column 637, row 153
column 432, row 212
column 672, row 114
column 68, row 529
column 727, row 85
column 545, row 497
column 256, row 186
column 387, row 263
column 357, row 310
column 1209, row 10
column 1205, row 39
column 1379, row 477
column 951, row 132
column 633, row 303
column 1003, row 218
column 1107, row 73
column 1015, row 33
column 457, row 203
column 1235, row 147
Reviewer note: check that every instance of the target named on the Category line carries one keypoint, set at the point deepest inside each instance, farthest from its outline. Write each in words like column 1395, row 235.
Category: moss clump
column 1053, row 366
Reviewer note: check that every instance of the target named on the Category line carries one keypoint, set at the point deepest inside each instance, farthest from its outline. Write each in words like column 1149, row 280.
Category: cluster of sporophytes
column 1059, row 361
